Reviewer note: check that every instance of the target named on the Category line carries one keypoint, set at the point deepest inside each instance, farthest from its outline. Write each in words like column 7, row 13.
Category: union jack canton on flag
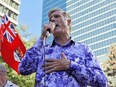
column 7, row 34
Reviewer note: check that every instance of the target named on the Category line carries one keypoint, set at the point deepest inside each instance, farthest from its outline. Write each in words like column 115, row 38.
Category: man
column 68, row 63
column 3, row 81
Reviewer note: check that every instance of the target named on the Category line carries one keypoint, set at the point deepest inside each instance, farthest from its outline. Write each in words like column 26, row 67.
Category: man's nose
column 52, row 19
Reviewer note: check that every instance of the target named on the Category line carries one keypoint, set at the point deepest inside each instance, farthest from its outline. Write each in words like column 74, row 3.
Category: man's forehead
column 2, row 67
column 56, row 12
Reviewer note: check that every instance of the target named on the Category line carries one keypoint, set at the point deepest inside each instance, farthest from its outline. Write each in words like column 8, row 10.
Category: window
column 6, row 1
column 109, row 27
column 86, row 35
column 102, row 51
column 108, row 42
column 109, row 13
column 104, row 15
column 0, row 19
column 106, row 8
column 92, row 27
column 1, row 8
column 107, row 20
column 4, row 9
column 112, row 26
column 97, row 53
column 96, row 38
column 93, row 40
column 11, row 3
column 113, row 12
column 83, row 36
column 9, row 13
column 90, row 21
column 114, row 18
column 103, row 29
column 105, row 50
column 106, row 35
column 102, row 37
column 99, row 12
column 90, row 41
column 113, row 33
column 15, row 17
column 104, row 43
column 115, row 25
column 16, row 6
column 99, row 38
column 111, row 41
column 98, row 31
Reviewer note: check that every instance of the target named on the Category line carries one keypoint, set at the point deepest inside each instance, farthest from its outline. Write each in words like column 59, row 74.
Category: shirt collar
column 55, row 42
column 8, row 83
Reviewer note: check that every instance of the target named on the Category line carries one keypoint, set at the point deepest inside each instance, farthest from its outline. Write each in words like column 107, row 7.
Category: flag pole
column 0, row 37
column 0, row 46
column 1, row 34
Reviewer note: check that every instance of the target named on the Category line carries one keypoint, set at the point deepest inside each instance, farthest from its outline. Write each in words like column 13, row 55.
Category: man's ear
column 69, row 22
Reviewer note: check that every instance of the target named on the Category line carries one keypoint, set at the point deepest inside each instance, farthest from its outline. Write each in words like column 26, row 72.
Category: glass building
column 11, row 7
column 93, row 22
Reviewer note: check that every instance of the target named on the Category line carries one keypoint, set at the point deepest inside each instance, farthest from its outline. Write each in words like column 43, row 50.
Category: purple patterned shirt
column 84, row 69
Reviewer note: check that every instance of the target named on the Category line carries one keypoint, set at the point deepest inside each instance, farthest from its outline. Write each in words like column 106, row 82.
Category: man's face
column 60, row 20
column 2, row 77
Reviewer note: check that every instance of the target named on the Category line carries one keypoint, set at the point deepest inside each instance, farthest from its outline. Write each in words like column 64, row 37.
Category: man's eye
column 56, row 16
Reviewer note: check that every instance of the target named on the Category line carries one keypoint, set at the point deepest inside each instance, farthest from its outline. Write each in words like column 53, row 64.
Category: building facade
column 11, row 8
column 93, row 22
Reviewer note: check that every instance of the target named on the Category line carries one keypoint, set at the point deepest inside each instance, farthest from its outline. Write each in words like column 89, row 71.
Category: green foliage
column 23, row 34
column 110, row 66
column 21, row 81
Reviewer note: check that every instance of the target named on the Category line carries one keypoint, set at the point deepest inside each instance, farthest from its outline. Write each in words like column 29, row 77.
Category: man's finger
column 47, row 64
column 50, row 60
column 63, row 55
column 48, row 68
column 49, row 71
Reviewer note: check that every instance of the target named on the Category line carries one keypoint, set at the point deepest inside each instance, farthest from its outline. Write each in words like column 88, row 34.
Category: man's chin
column 2, row 84
column 56, row 32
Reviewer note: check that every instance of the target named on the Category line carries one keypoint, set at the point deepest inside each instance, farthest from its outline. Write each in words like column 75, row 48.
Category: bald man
column 3, row 81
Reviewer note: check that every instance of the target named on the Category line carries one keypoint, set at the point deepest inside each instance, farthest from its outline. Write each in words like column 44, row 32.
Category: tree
column 23, row 34
column 21, row 81
column 110, row 66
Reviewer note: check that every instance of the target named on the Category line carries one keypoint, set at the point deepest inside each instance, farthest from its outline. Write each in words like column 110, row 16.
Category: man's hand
column 57, row 64
column 50, row 26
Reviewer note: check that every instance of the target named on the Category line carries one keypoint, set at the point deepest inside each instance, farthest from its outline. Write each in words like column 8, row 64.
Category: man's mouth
column 56, row 26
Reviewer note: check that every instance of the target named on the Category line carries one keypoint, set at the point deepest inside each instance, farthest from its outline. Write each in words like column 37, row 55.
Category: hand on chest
column 73, row 54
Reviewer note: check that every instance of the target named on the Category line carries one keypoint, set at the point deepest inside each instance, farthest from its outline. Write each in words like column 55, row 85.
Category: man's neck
column 5, row 83
column 62, row 39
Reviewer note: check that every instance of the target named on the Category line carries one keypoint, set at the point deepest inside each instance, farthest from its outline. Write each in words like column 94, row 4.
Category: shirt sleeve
column 88, row 71
column 28, row 64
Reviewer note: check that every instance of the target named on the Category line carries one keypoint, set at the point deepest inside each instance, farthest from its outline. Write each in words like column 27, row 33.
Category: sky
column 31, row 14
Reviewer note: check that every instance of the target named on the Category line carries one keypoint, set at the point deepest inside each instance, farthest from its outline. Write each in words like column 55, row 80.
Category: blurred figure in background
column 3, row 81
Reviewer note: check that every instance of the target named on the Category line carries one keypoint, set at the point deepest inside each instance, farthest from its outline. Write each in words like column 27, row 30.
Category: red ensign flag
column 12, row 48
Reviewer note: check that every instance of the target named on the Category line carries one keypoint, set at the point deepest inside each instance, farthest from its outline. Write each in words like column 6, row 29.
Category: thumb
column 63, row 55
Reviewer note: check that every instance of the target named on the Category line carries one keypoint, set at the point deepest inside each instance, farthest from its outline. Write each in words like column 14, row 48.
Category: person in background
column 3, row 81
